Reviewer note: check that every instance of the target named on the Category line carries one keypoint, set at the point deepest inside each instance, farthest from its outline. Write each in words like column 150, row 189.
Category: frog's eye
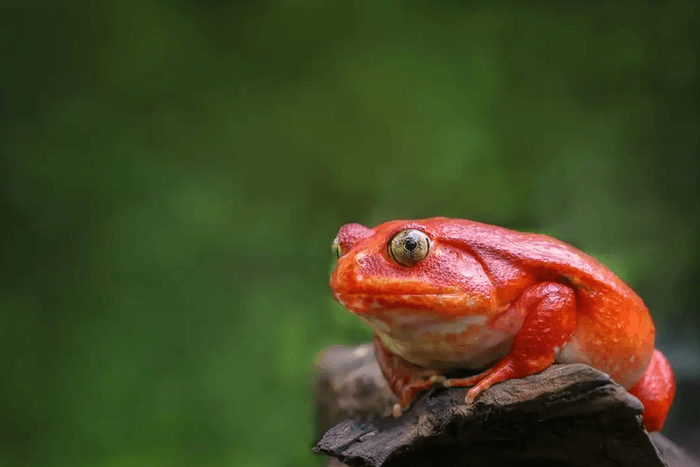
column 409, row 247
column 335, row 247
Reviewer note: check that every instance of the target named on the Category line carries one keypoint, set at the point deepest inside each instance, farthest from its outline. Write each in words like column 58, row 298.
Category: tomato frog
column 446, row 294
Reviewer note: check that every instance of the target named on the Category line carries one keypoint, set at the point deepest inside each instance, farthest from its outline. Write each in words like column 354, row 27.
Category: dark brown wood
column 569, row 415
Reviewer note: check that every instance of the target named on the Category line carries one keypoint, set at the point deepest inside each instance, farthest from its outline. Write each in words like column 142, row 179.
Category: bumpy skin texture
column 488, row 298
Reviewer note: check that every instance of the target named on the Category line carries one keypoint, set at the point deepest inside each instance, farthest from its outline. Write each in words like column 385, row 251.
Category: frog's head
column 407, row 265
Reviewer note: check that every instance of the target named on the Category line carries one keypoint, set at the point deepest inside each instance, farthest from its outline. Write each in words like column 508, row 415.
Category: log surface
column 571, row 415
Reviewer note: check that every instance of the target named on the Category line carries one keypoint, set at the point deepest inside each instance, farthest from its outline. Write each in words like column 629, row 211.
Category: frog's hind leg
column 656, row 390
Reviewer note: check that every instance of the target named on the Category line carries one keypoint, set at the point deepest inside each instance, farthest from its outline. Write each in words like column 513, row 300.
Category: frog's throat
column 422, row 338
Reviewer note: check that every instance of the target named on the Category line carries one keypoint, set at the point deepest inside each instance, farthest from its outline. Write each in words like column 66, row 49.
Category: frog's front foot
column 412, row 389
column 481, row 382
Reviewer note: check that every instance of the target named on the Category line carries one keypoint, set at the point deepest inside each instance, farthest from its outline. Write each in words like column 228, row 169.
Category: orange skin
column 488, row 298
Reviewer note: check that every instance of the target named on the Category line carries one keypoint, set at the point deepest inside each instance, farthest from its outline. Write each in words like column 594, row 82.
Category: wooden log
column 570, row 415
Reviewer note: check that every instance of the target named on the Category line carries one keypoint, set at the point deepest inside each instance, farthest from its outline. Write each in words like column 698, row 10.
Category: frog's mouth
column 441, row 304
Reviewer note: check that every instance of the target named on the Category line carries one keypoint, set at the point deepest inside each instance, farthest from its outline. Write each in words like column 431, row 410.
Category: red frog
column 444, row 294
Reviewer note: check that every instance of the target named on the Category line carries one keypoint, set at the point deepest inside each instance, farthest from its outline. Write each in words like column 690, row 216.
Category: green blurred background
column 173, row 173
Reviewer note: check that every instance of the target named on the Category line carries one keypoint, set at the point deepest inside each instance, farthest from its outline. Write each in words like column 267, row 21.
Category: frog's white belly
column 438, row 342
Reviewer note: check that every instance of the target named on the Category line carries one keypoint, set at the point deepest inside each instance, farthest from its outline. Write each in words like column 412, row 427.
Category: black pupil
column 411, row 244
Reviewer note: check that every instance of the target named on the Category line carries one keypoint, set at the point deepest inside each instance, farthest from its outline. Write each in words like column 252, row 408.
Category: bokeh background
column 173, row 173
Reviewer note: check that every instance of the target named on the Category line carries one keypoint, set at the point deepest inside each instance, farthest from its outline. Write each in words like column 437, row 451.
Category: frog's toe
column 437, row 379
column 472, row 394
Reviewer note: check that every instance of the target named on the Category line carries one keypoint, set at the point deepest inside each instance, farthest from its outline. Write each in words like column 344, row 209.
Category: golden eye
column 335, row 247
column 409, row 247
